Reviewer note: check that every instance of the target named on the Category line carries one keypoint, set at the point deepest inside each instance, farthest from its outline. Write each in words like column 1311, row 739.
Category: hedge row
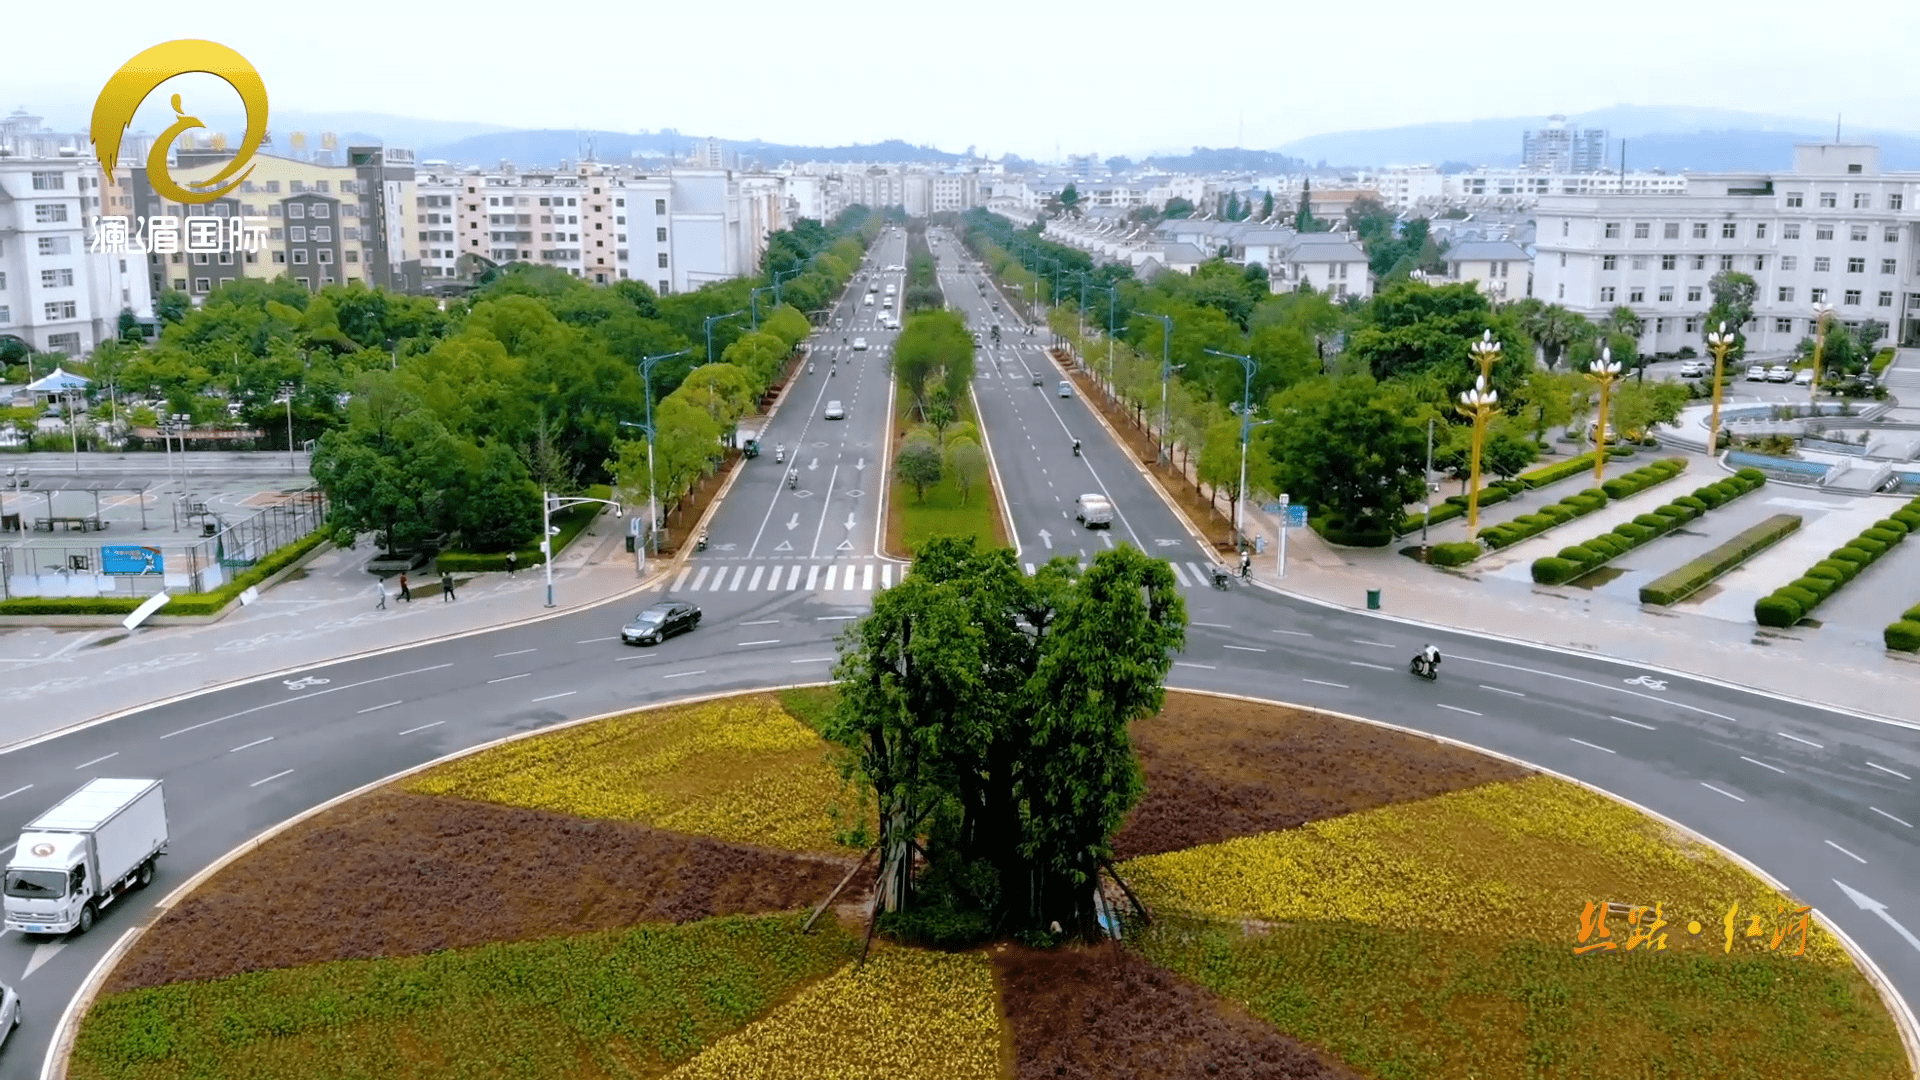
column 186, row 604
column 1691, row 577
column 1791, row 602
column 1903, row 635
column 1454, row 506
column 1580, row 504
column 1336, row 530
column 1588, row 555
column 1560, row 470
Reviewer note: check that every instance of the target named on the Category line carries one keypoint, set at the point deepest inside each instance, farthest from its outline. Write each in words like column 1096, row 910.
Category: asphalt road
column 1808, row 795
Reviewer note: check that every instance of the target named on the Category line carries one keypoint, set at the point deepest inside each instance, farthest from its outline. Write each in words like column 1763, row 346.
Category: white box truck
column 92, row 848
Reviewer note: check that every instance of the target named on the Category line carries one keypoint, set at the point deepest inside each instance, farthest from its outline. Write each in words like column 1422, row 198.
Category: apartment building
column 1560, row 147
column 1833, row 229
column 1423, row 188
column 55, row 294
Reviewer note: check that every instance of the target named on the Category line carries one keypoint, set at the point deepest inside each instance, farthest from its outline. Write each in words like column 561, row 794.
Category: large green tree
column 1346, row 445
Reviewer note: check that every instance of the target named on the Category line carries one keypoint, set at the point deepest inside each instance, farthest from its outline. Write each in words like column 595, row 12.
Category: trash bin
column 629, row 545
column 208, row 528
column 1373, row 599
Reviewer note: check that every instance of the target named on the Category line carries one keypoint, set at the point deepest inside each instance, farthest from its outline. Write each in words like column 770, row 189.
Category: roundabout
column 625, row 896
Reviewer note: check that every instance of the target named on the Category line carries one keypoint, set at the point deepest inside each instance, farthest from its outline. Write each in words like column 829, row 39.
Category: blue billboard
column 130, row 559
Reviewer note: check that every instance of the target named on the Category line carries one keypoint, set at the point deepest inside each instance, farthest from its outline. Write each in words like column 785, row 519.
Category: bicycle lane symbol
column 1647, row 681
column 302, row 684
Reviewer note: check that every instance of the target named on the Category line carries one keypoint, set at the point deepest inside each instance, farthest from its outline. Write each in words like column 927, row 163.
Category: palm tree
column 1554, row 328
column 1622, row 320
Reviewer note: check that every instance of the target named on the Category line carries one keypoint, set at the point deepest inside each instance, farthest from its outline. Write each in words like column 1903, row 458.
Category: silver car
column 9, row 1012
column 836, row 411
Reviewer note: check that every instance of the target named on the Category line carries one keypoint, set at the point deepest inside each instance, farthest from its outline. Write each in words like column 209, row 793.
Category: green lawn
column 627, row 1003
column 913, row 521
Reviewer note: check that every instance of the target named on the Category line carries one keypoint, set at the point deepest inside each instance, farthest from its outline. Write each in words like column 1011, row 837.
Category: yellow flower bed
column 907, row 1014
column 1514, row 860
column 740, row 769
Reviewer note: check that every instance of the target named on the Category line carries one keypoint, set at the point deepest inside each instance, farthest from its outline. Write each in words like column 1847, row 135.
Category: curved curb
column 1903, row 1017
column 61, row 1046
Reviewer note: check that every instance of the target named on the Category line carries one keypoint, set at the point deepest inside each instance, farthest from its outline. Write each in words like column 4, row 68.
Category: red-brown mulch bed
column 1106, row 1014
column 398, row 874
column 1218, row 768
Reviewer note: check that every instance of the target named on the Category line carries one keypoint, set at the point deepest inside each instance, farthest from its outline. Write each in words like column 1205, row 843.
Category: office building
column 1562, row 148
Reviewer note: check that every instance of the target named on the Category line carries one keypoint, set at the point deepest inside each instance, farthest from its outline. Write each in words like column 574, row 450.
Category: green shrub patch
column 1455, row 554
column 1696, row 574
column 1560, row 470
column 1642, row 478
column 1590, row 554
column 1803, row 594
column 1903, row 636
column 185, row 604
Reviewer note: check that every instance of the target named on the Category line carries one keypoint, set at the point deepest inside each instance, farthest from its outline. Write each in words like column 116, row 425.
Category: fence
column 1785, row 470
column 135, row 570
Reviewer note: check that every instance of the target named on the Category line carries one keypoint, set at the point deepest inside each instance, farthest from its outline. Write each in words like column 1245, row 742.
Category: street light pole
column 1719, row 344
column 1249, row 365
column 1166, row 375
column 753, row 298
column 711, row 319
column 549, row 502
column 1478, row 404
column 1426, row 482
column 653, row 506
column 293, row 461
column 1603, row 371
column 1821, row 314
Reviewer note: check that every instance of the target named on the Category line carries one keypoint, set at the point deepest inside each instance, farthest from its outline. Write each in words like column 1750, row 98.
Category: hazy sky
column 1025, row 76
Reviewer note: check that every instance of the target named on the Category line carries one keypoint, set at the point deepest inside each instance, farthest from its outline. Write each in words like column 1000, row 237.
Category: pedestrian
column 405, row 593
column 446, row 588
column 513, row 560
column 382, row 586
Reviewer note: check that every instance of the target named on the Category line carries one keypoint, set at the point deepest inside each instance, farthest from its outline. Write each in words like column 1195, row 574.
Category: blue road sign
column 130, row 559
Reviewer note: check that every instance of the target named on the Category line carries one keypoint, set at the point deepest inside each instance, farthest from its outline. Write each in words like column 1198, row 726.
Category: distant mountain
column 352, row 127
column 1202, row 159
column 549, row 147
column 1668, row 138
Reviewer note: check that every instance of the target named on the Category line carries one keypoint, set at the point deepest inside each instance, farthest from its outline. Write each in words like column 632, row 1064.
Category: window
column 1892, row 237
column 1669, row 262
column 322, row 234
column 1666, row 294
column 1699, row 262
column 280, row 256
column 1566, row 226
column 61, row 309
column 1639, row 262
column 179, row 284
column 1759, row 263
column 299, row 257
column 1641, row 230
column 225, row 258
column 1785, row 295
column 1828, row 200
column 1729, row 230
column 660, row 235
column 324, row 256
column 1726, row 262
column 1790, row 232
column 49, row 212
column 1638, row 295
column 1861, row 200
column 1886, row 299
column 1606, row 294
column 66, row 343
column 273, row 187
column 1563, row 290
column 1817, row 296
column 1699, row 230
column 1895, row 201
column 663, row 260
column 1852, row 296
column 297, row 234
column 1858, row 234
column 1609, row 262
column 1789, row 262
column 49, row 181
column 201, row 284
column 1760, row 231
column 1672, row 231
column 296, row 210
column 57, row 279
column 305, row 283
column 1853, row 168
column 1693, row 294
column 1660, row 325
column 1784, row 326
column 1856, row 266
column 321, row 210
column 664, row 287
column 1613, row 230
column 660, row 206
column 6, row 315
column 1563, row 258
column 1822, row 264
column 1888, row 266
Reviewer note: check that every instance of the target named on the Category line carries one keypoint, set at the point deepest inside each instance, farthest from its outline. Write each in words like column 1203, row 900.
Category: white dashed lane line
column 1728, row 794
column 681, row 674
column 1633, row 723
column 95, row 761
column 1456, row 708
column 1322, row 682
column 1889, row 817
column 1362, row 663
column 1589, row 745
column 1498, row 690
column 1183, row 663
column 1243, row 648
column 551, row 697
column 516, row 652
column 1375, row 644
column 255, row 742
column 423, row 727
column 376, row 708
column 1763, row 764
column 1295, row 633
column 275, row 776
column 1847, row 853
column 509, row 678
column 1870, row 765
column 1798, row 739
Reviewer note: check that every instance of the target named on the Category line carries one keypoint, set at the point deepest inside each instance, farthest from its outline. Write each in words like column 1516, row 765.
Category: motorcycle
column 809, row 367
column 793, row 478
column 1220, row 579
column 702, row 545
column 1076, row 448
column 1422, row 668
column 780, row 452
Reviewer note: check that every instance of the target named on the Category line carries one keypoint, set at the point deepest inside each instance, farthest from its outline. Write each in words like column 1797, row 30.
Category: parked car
column 859, row 344
column 1757, row 373
column 1804, row 377
column 835, row 411
column 1779, row 373
column 1693, row 369
column 660, row 622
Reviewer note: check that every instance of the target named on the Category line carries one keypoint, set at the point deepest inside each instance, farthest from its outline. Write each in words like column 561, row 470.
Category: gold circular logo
column 138, row 77
column 43, row 850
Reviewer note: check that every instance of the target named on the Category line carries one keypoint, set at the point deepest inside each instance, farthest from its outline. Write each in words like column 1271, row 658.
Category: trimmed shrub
column 1885, row 536
column 1553, row 571
column 1854, row 554
column 1826, row 572
column 1800, row 596
column 1457, row 553
column 1912, row 614
column 1693, row 503
column 1847, row 571
column 1711, row 496
column 1560, row 470
column 1696, row 574
column 1368, row 534
column 1656, row 522
column 1893, row 525
column 1909, row 518
column 1903, row 636
column 1821, row 588
column 1579, row 553
column 1873, row 548
column 1776, row 610
column 1560, row 513
column 1638, row 534
column 1751, row 475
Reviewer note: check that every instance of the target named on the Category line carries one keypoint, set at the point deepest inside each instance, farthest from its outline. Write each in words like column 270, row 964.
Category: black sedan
column 660, row 622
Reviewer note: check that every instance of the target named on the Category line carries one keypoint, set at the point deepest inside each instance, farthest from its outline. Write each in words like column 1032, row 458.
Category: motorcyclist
column 1076, row 448
column 793, row 477
column 1246, row 563
column 1431, row 657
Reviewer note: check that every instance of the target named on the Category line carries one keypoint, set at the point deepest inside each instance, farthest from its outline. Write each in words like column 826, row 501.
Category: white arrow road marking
column 1868, row 903
column 1108, row 538
column 849, row 519
column 46, row 952
column 1047, row 539
column 794, row 521
column 861, row 464
column 814, row 464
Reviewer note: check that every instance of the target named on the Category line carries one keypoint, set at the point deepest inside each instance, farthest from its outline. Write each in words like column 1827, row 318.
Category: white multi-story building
column 1423, row 188
column 1834, row 229
column 55, row 294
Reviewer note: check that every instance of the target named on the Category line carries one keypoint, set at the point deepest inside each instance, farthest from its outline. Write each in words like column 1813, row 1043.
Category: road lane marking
column 833, row 618
column 1215, row 625
column 1870, row 765
column 760, row 622
column 1243, row 648
column 813, row 575
column 813, row 660
column 682, row 579
column 1183, row 663
column 1322, row 682
column 1457, row 708
column 303, row 697
column 1295, row 633
column 1634, row 723
column 275, row 776
column 755, row 583
column 832, row 571
column 697, row 579
column 1584, row 742
column 1362, row 663
column 1847, row 853
column 1498, row 690
column 1798, row 739
column 255, row 742
column 15, row 791
column 769, row 641
column 1888, row 816
column 550, row 697
column 509, row 678
column 1602, row 686
column 516, row 652
column 1728, row 794
column 737, row 575
column 95, row 761
column 423, row 727
column 1375, row 644
column 595, row 640
column 1763, row 764
column 678, row 674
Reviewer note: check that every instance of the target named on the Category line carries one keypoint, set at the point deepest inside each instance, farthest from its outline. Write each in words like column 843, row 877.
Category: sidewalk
column 1860, row 678
column 54, row 678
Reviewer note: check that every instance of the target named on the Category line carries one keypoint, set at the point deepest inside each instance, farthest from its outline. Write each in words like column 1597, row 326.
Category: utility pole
column 1426, row 481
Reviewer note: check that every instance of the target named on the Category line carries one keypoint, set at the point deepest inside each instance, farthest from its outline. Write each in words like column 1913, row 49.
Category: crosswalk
column 820, row 578
column 1192, row 577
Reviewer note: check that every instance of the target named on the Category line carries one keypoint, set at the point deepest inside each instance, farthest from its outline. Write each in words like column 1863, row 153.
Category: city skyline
column 1024, row 82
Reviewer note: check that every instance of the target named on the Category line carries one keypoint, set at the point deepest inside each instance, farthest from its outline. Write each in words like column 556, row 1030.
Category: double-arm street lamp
column 1719, row 344
column 549, row 502
column 1249, row 365
column 1166, row 376
column 646, row 376
column 1822, row 315
column 1603, row 371
column 711, row 319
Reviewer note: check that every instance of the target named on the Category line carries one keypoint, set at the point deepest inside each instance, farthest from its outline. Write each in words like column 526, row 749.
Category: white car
column 1804, row 378
column 9, row 1012
column 1756, row 373
column 859, row 344
column 1693, row 369
column 1779, row 373
column 835, row 411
